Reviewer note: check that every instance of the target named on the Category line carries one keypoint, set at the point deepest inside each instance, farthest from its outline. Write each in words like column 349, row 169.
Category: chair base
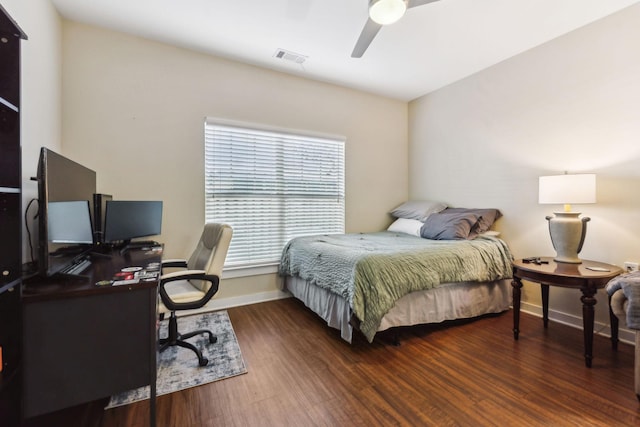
column 174, row 338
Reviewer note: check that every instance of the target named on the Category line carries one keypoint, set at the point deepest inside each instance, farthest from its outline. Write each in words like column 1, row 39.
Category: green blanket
column 374, row 270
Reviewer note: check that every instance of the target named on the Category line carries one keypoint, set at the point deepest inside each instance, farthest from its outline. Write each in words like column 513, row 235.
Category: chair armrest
column 183, row 275
column 618, row 302
column 187, row 275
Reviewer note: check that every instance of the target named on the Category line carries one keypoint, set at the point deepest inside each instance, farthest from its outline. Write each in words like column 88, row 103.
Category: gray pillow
column 451, row 226
column 417, row 209
column 487, row 217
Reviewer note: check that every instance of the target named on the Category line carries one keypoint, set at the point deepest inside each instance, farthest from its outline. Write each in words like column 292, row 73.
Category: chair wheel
column 204, row 361
column 213, row 340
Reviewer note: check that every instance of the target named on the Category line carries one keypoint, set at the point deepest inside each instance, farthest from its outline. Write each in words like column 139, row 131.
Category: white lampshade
column 567, row 189
column 385, row 12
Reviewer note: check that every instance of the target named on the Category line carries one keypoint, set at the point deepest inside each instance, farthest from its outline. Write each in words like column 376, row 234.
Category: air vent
column 287, row 55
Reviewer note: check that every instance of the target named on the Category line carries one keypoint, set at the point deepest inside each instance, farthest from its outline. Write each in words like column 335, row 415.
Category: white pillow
column 407, row 226
column 491, row 233
column 417, row 209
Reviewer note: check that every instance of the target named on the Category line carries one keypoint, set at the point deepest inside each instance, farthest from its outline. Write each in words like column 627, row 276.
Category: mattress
column 449, row 301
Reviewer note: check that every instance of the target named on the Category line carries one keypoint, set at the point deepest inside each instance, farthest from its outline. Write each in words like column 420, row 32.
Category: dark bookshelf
column 10, row 221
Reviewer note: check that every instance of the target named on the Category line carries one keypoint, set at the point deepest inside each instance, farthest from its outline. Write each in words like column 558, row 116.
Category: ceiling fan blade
column 366, row 36
column 414, row 3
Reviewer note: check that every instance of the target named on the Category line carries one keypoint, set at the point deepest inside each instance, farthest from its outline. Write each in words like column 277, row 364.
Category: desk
column 84, row 342
column 576, row 276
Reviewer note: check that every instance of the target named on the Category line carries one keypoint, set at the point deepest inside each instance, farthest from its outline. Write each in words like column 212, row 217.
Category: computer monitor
column 128, row 219
column 60, row 179
column 70, row 222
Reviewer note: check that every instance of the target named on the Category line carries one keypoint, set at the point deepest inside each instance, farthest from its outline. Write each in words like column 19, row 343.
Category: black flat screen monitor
column 128, row 219
column 59, row 180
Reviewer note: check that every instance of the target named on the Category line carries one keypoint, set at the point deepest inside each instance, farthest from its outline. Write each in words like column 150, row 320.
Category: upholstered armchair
column 619, row 304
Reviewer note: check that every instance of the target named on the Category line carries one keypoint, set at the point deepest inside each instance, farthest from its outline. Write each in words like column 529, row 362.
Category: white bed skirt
column 450, row 301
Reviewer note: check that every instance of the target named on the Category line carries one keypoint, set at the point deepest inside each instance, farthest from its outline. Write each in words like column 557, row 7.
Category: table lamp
column 566, row 229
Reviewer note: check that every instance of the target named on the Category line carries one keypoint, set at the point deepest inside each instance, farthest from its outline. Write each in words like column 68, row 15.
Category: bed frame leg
column 395, row 339
column 388, row 337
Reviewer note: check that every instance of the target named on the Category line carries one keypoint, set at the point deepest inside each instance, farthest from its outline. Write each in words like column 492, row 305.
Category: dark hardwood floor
column 465, row 373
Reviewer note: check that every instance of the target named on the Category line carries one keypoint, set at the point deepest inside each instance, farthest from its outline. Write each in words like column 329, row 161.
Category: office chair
column 192, row 288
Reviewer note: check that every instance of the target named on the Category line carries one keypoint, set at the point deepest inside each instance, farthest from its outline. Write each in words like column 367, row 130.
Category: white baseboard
column 224, row 303
column 599, row 328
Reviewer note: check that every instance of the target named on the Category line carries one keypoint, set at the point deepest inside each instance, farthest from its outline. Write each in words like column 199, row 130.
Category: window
column 270, row 186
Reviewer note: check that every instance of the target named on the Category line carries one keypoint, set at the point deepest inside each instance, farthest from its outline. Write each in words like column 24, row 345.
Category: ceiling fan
column 382, row 12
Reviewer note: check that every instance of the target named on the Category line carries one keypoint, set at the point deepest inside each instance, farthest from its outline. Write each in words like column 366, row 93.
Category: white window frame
column 317, row 192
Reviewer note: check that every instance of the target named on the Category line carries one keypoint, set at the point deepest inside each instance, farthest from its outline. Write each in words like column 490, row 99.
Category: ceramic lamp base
column 567, row 235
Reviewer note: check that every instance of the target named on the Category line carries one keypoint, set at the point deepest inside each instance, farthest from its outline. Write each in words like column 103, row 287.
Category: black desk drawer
column 81, row 349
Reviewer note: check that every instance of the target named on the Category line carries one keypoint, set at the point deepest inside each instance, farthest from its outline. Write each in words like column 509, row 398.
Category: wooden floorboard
column 463, row 373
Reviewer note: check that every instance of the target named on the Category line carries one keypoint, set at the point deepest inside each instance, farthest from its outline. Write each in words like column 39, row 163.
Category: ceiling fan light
column 385, row 12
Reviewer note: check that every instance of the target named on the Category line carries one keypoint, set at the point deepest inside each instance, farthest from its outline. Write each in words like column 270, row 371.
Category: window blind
column 271, row 186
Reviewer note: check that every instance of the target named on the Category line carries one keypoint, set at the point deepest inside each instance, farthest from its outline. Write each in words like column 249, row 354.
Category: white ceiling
column 431, row 46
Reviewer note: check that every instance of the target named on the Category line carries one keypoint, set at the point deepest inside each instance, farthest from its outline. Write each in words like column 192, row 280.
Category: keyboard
column 77, row 267
column 138, row 244
column 143, row 243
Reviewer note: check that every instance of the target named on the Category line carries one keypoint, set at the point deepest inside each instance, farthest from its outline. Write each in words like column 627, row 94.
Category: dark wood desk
column 84, row 342
column 576, row 276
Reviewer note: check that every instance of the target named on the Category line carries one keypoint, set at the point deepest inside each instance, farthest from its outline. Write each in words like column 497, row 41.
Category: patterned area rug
column 178, row 367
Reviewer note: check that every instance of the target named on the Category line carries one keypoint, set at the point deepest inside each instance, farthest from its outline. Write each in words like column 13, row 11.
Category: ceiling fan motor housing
column 386, row 12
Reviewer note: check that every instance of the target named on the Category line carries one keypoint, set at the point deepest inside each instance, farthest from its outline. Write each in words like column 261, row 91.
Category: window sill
column 254, row 270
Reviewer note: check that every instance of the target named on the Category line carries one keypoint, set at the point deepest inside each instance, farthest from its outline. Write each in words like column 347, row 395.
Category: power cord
column 26, row 225
column 604, row 326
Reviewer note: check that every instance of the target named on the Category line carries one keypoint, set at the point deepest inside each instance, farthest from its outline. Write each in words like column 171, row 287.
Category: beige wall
column 41, row 91
column 572, row 104
column 134, row 112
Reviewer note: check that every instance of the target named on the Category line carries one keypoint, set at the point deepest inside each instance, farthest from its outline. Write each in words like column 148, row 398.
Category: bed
column 393, row 278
